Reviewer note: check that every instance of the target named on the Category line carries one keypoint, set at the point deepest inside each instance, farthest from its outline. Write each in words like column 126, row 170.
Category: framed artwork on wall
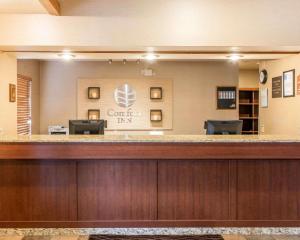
column 12, row 92
column 277, row 87
column 226, row 97
column 264, row 97
column 289, row 83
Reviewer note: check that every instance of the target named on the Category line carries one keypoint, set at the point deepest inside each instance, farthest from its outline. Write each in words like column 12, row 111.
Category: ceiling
column 22, row 6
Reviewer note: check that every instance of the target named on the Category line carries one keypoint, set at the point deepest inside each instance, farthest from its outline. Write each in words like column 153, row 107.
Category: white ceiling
column 21, row 6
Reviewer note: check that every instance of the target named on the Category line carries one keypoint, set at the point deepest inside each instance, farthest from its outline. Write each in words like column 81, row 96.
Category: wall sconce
column 93, row 114
column 155, row 115
column 93, row 93
column 155, row 93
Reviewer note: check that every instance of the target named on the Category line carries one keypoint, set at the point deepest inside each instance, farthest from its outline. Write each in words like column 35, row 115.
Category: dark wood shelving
column 248, row 109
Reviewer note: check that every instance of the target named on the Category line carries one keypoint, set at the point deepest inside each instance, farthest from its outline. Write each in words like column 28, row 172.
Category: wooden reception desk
column 143, row 181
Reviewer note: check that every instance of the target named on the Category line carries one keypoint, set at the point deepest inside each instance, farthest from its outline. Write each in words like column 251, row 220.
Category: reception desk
column 149, row 181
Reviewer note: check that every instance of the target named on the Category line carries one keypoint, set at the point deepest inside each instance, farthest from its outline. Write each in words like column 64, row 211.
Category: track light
column 67, row 56
column 151, row 57
column 235, row 57
column 124, row 61
column 109, row 61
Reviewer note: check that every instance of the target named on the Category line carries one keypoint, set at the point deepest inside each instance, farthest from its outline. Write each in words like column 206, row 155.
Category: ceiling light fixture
column 67, row 56
column 235, row 57
column 151, row 56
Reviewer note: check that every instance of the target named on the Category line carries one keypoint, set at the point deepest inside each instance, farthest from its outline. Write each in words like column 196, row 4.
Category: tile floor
column 226, row 237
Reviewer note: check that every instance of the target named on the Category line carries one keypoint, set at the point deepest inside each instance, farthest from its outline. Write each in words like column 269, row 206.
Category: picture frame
column 264, row 103
column 226, row 97
column 288, row 81
column 12, row 93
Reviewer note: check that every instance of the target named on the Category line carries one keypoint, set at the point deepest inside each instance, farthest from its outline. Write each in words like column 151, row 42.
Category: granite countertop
column 147, row 138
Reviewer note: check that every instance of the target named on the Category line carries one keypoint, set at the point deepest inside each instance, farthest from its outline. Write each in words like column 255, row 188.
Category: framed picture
column 226, row 97
column 277, row 87
column 12, row 92
column 289, row 83
column 264, row 98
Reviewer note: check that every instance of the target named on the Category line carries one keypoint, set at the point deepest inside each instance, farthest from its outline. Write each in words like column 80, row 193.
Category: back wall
column 194, row 89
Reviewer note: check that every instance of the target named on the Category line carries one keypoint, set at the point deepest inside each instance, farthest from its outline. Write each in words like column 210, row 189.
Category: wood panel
column 193, row 190
column 151, row 151
column 37, row 191
column 117, row 190
column 268, row 190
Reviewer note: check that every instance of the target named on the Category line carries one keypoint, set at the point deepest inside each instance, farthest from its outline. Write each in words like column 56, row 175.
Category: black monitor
column 215, row 127
column 89, row 127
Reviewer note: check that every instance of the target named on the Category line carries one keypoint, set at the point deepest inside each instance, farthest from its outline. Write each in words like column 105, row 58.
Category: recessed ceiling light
column 235, row 57
column 67, row 56
column 151, row 56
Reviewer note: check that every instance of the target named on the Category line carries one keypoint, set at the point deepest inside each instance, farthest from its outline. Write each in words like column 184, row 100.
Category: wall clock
column 263, row 76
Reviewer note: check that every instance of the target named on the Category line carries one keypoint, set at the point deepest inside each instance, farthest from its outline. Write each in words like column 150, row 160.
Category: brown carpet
column 156, row 237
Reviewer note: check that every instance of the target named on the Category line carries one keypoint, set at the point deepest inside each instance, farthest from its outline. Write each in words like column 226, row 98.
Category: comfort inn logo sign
column 125, row 96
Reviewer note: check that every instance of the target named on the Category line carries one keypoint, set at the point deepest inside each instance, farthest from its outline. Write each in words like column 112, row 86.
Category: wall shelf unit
column 248, row 110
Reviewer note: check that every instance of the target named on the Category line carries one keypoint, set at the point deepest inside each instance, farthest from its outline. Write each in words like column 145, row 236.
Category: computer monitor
column 89, row 127
column 214, row 127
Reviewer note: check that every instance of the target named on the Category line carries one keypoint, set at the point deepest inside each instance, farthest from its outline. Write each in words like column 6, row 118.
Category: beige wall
column 31, row 68
column 283, row 115
column 248, row 78
column 8, row 110
column 194, row 89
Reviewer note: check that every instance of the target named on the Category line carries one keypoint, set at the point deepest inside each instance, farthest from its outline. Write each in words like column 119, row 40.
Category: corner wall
column 283, row 114
column 8, row 110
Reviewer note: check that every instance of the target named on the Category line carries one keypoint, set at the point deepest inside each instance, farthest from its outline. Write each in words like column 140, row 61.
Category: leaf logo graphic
column 125, row 96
